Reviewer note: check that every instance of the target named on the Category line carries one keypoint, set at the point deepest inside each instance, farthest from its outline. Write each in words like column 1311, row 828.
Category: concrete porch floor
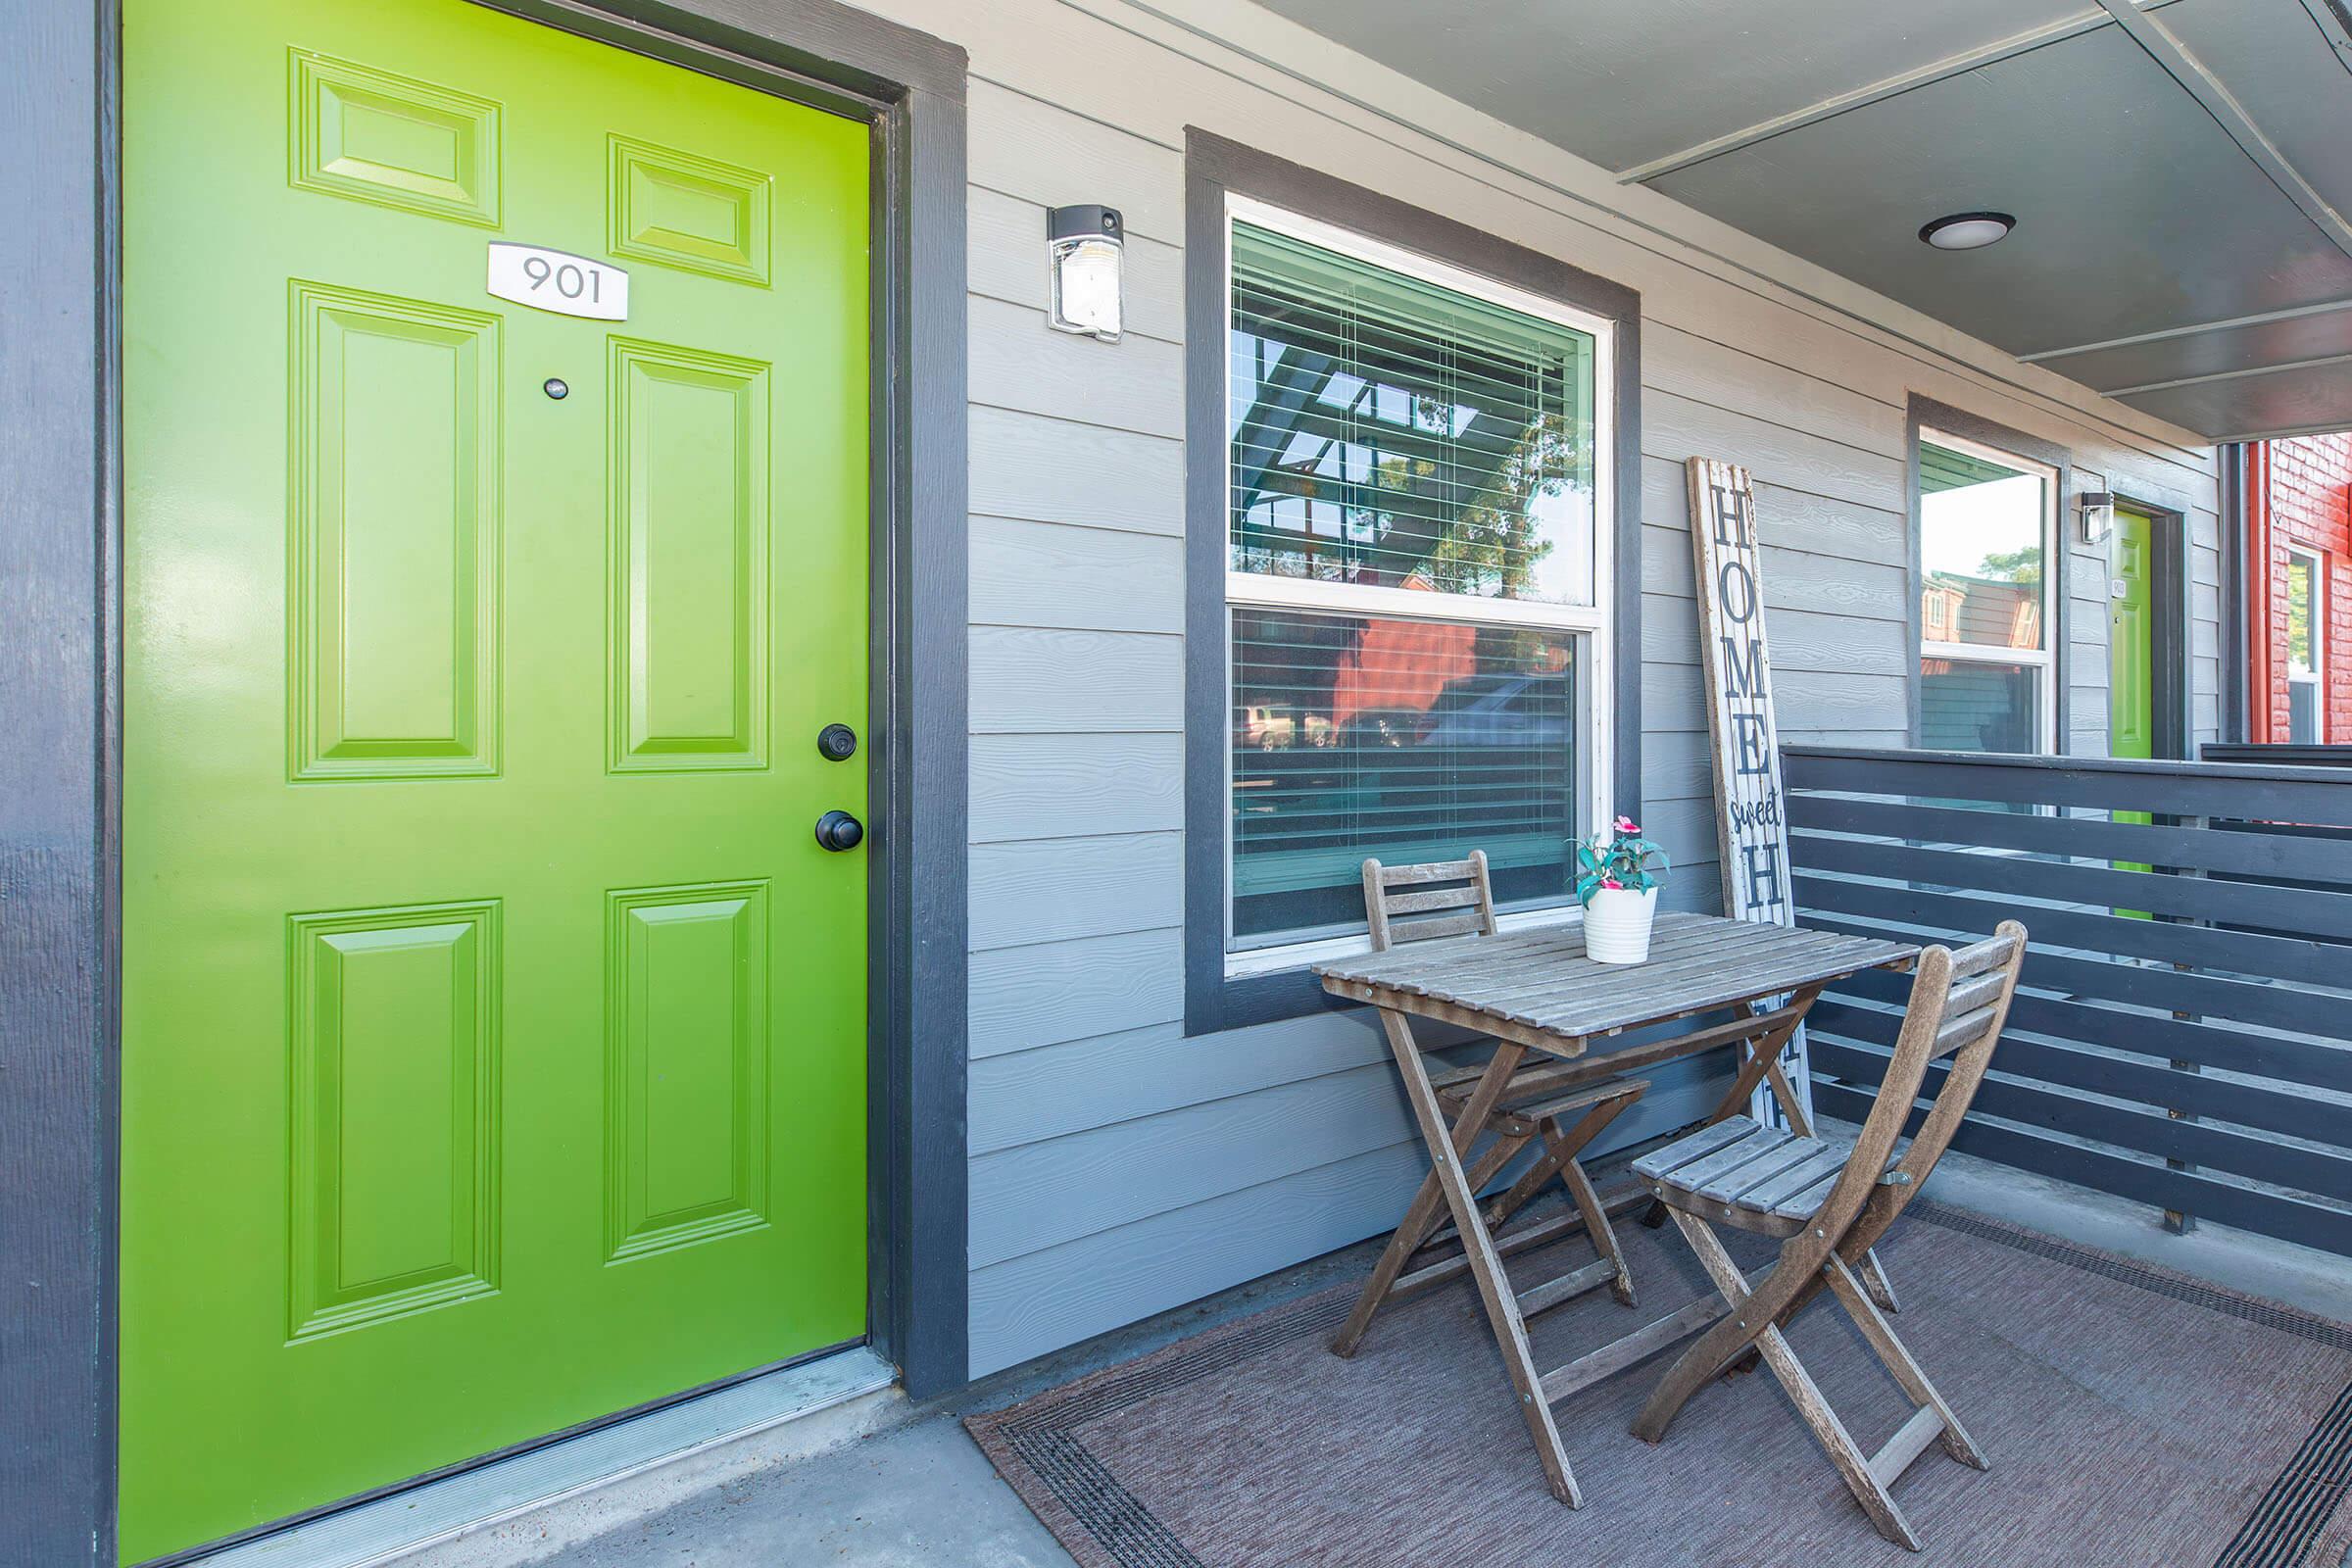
column 902, row 1485
column 921, row 1494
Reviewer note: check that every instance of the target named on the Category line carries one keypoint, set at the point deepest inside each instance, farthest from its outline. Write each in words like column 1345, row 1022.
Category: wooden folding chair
column 1554, row 1101
column 1831, row 1201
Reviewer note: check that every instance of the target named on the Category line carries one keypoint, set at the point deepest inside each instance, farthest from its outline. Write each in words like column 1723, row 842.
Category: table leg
column 1422, row 1216
column 1494, row 1286
column 1763, row 1063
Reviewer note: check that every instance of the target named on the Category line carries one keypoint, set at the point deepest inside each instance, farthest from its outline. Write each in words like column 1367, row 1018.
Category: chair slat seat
column 1453, row 1084
column 1537, row 1091
column 1757, row 1178
column 1755, row 1143
column 1560, row 1108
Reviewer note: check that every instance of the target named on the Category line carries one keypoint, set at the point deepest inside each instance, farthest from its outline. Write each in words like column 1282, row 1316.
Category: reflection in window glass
column 1389, row 432
column 1968, row 705
column 1980, row 551
column 1360, row 736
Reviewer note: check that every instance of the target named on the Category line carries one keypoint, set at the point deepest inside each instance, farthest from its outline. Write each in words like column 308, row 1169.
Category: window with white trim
column 1988, row 544
column 2306, row 647
column 1418, row 567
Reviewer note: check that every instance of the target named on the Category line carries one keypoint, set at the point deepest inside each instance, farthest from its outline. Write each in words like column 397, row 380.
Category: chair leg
column 1875, row 1280
column 1854, row 1465
column 1900, row 1365
column 1732, row 1337
column 1530, row 1183
column 1561, row 1146
column 1851, row 1463
column 1597, row 1226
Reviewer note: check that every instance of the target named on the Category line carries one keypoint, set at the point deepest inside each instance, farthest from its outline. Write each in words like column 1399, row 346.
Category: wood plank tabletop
column 1541, row 980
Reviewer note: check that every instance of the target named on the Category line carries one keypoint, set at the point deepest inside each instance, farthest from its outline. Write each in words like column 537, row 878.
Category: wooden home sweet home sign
column 1751, row 821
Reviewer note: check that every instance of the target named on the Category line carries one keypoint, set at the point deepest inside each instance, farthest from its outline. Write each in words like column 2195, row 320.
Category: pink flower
column 1612, row 884
column 1626, row 824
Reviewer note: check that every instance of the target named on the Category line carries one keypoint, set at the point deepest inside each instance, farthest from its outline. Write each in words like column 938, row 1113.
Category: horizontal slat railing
column 2182, row 1030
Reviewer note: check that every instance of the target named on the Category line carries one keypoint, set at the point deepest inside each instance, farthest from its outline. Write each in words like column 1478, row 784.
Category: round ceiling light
column 1968, row 231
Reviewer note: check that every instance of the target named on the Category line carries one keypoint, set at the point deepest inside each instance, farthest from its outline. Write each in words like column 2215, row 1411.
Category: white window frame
column 2044, row 658
column 2318, row 562
column 1597, row 676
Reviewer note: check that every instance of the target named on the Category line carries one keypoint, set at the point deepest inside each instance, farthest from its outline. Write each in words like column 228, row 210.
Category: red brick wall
column 2302, row 495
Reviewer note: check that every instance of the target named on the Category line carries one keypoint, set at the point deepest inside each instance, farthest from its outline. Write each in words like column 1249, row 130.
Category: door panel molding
column 360, row 1254
column 336, row 101
column 357, row 704
column 664, row 948
column 686, row 695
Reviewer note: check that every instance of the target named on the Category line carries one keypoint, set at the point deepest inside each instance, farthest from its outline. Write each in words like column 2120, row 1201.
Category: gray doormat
column 2134, row 1419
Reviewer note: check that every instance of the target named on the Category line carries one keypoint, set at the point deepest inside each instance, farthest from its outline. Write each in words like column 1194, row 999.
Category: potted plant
column 1617, row 878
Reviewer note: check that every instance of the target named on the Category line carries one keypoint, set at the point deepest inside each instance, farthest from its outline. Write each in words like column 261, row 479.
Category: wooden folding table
column 1536, row 991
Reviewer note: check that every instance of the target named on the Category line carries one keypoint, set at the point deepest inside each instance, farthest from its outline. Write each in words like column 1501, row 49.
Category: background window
column 2304, row 656
column 1414, row 576
column 1986, row 532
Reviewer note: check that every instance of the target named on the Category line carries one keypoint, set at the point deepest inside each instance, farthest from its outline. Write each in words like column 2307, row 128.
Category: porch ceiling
column 2180, row 170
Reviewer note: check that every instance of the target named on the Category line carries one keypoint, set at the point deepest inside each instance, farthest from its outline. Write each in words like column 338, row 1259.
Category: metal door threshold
column 385, row 1527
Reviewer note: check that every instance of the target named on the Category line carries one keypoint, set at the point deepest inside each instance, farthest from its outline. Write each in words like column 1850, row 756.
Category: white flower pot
column 1617, row 924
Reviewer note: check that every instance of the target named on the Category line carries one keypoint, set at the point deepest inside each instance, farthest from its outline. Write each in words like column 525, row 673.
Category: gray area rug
column 2134, row 1419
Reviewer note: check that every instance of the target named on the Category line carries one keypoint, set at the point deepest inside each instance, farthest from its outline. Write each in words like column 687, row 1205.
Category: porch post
column 58, row 881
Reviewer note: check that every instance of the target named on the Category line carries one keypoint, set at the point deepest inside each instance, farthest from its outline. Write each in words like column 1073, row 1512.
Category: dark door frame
column 61, row 544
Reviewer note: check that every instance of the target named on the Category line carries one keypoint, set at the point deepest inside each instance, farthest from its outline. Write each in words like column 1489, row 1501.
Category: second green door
column 493, row 1031
column 2132, row 639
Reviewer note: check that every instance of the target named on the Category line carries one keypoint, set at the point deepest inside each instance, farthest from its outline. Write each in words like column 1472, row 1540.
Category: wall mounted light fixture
column 1083, row 247
column 2097, row 510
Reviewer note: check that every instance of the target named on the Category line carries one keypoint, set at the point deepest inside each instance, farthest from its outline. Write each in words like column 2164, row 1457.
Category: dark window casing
column 1215, row 167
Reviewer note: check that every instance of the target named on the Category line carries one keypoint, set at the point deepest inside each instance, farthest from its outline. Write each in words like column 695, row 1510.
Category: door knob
column 839, row 830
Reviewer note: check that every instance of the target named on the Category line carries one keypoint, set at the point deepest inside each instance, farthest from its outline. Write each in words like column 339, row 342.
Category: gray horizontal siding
column 1042, row 469
column 1057, row 991
column 1050, row 1091
column 1074, row 786
column 1136, row 384
column 1024, row 891
column 1047, row 1192
column 1119, row 1168
column 1056, row 1295
column 1090, row 579
column 1677, row 428
column 1034, row 680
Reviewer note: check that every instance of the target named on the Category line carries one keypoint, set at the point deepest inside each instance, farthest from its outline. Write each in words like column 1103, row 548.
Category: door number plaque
column 558, row 281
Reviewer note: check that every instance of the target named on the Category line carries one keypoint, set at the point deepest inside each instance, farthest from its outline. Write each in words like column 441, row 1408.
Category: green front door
column 493, row 1031
column 2131, row 640
column 2131, row 656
